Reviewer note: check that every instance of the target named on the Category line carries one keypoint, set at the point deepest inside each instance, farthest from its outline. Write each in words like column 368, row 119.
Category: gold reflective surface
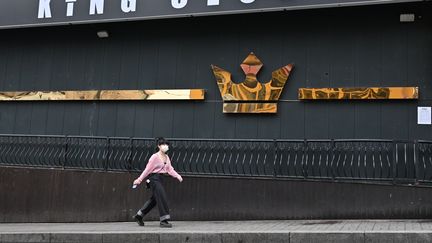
column 358, row 93
column 229, row 107
column 251, row 89
column 168, row 94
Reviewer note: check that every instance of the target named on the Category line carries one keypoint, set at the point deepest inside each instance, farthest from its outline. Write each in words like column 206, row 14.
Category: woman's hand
column 137, row 182
column 180, row 179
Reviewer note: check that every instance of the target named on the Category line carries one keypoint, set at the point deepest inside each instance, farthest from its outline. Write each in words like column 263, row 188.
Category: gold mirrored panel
column 168, row 94
column 229, row 107
column 251, row 89
column 358, row 93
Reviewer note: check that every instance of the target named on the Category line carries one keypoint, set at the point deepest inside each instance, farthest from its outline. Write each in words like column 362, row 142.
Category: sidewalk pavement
column 291, row 231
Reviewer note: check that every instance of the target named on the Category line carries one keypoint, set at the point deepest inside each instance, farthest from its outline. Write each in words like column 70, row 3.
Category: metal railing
column 384, row 161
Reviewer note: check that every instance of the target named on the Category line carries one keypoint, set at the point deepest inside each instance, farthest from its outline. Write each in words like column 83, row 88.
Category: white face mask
column 164, row 148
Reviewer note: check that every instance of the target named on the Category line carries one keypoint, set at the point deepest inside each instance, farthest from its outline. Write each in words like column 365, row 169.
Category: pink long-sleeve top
column 156, row 165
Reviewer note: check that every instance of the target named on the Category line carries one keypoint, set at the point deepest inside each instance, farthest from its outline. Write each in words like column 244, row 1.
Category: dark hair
column 160, row 141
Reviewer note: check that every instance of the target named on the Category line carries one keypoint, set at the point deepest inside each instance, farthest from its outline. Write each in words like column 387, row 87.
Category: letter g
column 178, row 3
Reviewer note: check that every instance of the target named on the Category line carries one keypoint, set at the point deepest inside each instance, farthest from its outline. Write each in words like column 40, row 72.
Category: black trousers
column 158, row 198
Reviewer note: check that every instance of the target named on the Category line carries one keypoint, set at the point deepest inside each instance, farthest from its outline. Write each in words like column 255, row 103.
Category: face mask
column 164, row 148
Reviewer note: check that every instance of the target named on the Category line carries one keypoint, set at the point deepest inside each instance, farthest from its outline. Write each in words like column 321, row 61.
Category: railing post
column 65, row 147
column 305, row 157
column 394, row 161
column 107, row 151
column 275, row 153
column 332, row 149
column 416, row 166
column 130, row 154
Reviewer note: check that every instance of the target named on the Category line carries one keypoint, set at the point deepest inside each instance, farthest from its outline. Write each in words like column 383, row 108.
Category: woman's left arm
column 172, row 172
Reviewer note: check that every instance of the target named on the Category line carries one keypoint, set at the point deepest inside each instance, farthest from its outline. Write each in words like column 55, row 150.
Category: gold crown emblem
column 251, row 96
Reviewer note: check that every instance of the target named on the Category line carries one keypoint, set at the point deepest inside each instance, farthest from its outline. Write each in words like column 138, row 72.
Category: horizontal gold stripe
column 358, row 93
column 156, row 94
column 250, row 108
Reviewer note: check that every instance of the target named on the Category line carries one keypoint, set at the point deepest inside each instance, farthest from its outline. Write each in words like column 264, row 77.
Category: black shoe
column 138, row 219
column 165, row 224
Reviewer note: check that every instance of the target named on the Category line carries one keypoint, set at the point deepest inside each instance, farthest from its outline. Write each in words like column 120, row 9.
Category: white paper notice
column 424, row 115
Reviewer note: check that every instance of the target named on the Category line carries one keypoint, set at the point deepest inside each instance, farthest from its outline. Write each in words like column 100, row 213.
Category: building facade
column 352, row 46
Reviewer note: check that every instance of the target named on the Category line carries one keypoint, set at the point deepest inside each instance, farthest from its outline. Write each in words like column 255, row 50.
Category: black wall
column 359, row 46
column 74, row 196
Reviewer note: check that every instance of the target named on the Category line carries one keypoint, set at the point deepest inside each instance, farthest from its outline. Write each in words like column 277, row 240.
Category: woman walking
column 158, row 165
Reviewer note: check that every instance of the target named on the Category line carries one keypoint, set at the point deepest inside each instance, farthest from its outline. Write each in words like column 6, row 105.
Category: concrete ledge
column 397, row 237
column 290, row 231
column 25, row 238
column 326, row 237
column 257, row 237
column 76, row 238
column 130, row 237
column 190, row 237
